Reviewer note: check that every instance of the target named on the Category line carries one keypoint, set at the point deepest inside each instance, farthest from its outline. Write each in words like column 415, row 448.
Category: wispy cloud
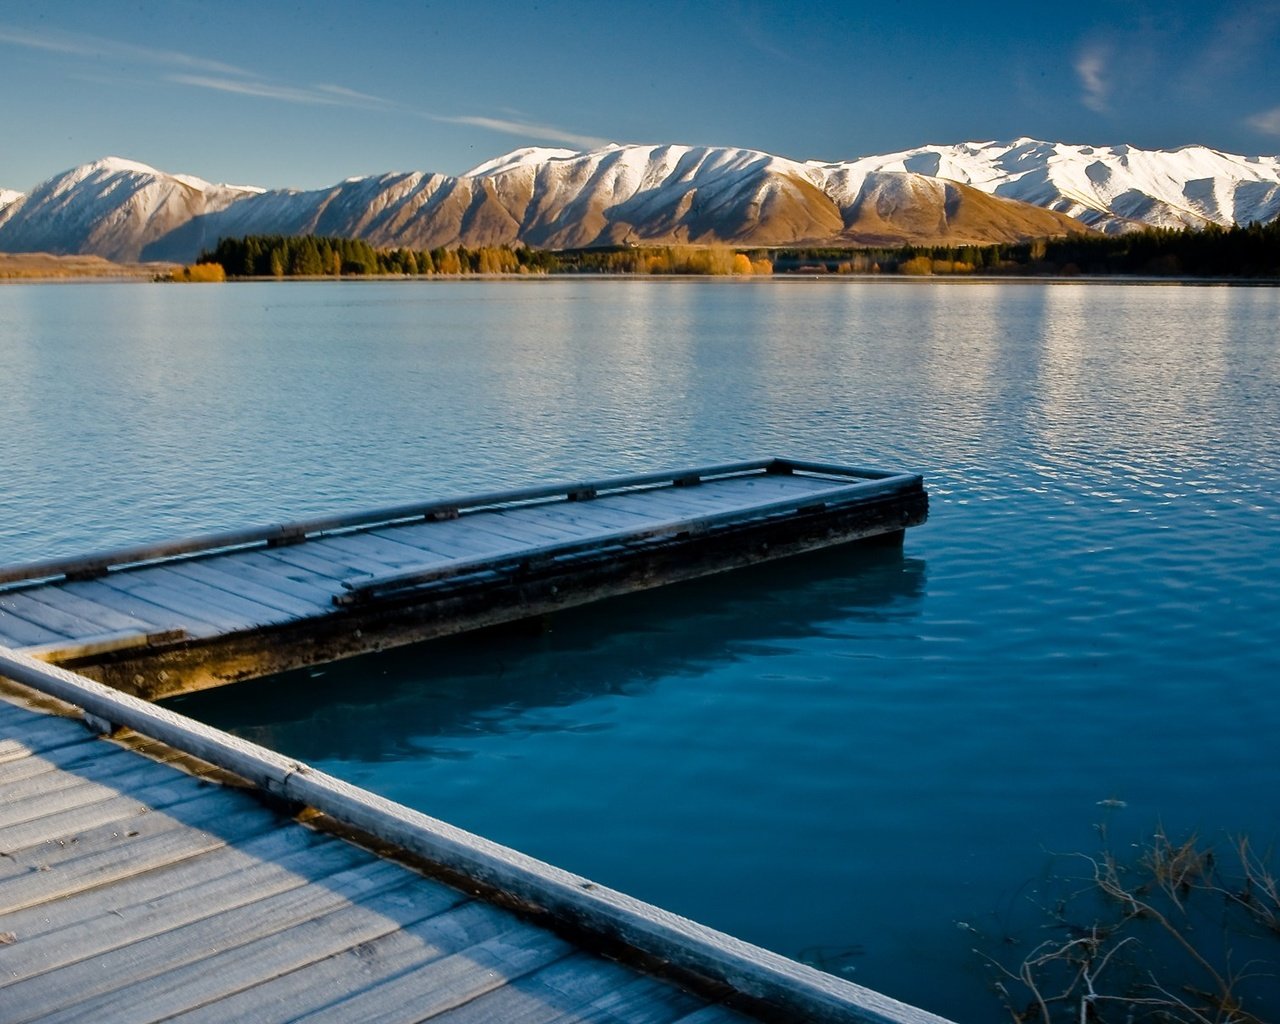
column 97, row 47
column 331, row 95
column 1091, row 68
column 219, row 76
column 1267, row 121
column 524, row 129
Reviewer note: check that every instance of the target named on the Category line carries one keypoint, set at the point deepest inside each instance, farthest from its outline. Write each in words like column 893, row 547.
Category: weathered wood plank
column 228, row 580
column 567, row 990
column 212, row 595
column 443, row 539
column 17, row 632
column 305, row 558
column 319, row 985
column 17, row 762
column 215, row 890
column 64, row 599
column 360, row 559
column 375, row 546
column 91, row 837
column 440, row 985
column 285, row 849
column 261, row 568
column 37, row 737
column 53, row 619
column 144, row 854
column 523, row 532
column 129, row 602
column 207, row 960
column 591, row 516
column 185, row 601
column 109, row 766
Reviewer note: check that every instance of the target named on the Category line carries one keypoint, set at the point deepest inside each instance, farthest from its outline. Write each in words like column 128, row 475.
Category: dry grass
column 38, row 266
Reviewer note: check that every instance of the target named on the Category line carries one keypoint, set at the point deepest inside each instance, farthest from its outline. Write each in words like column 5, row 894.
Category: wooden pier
column 176, row 873
column 185, row 615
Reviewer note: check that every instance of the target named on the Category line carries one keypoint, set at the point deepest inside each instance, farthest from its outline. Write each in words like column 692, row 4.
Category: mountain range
column 980, row 192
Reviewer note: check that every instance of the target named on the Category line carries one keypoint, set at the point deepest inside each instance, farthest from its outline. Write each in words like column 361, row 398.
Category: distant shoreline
column 38, row 268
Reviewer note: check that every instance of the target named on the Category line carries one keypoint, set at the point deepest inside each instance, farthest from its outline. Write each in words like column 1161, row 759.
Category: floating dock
column 174, row 872
column 185, row 615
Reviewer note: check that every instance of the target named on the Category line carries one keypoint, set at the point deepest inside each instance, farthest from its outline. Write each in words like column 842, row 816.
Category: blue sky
column 305, row 94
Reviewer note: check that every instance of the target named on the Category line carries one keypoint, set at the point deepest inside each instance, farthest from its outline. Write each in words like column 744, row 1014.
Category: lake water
column 865, row 759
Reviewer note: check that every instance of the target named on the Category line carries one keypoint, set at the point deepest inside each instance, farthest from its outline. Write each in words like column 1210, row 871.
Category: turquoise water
column 863, row 759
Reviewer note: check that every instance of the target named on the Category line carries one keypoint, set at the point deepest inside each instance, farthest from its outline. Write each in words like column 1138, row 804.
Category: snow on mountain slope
column 1110, row 188
column 663, row 194
column 111, row 208
column 8, row 196
column 618, row 195
column 528, row 156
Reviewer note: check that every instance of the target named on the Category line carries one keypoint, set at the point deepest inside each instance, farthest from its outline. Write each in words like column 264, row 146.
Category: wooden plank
column 566, row 526
column 131, row 603
column 260, row 568
column 236, row 604
column 664, row 505
column 102, row 763
column 63, row 598
column 525, row 532
column 284, row 848
column 68, row 813
column 144, row 854
column 225, row 577
column 53, row 619
column 563, row 991
column 16, row 632
column 319, row 985
column 593, row 516
column 38, row 737
column 25, row 763
column 440, row 540
column 215, row 890
column 374, row 546
column 359, row 559
column 304, row 558
column 103, row 766
column 183, row 968
column 644, row 1001
column 192, row 607
column 441, row 985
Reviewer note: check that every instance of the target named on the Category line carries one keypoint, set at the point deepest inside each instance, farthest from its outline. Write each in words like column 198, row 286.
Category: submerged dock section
column 167, row 874
column 185, row 615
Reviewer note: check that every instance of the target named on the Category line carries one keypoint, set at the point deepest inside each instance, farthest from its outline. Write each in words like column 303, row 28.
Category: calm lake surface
column 865, row 760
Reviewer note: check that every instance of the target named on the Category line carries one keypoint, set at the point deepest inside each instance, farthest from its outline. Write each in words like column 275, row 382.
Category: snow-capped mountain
column 110, row 208
column 1113, row 188
column 8, row 196
column 663, row 194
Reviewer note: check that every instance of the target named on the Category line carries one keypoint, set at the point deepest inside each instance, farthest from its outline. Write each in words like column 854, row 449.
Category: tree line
column 1249, row 251
column 328, row 256
column 1241, row 251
